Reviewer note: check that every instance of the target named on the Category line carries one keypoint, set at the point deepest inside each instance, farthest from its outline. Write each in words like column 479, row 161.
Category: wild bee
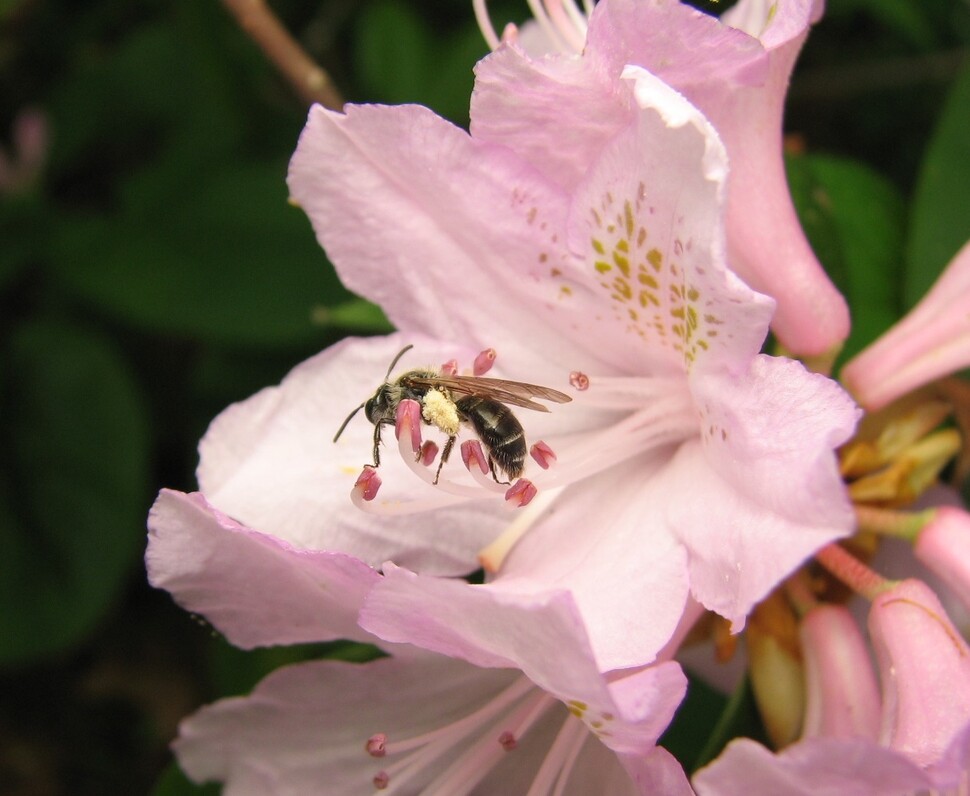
column 449, row 401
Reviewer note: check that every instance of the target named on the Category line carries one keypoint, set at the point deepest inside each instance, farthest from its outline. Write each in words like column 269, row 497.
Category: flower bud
column 924, row 665
column 842, row 695
column 944, row 547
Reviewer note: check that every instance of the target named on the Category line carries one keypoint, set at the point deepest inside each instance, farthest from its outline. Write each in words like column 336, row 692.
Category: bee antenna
column 344, row 424
column 394, row 361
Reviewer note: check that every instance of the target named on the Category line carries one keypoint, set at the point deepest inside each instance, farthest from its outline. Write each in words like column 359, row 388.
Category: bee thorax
column 439, row 410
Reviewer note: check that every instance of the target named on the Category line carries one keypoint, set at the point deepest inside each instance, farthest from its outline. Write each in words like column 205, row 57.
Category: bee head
column 381, row 406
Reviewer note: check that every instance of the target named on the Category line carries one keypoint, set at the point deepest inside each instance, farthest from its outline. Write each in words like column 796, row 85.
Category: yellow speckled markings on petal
column 649, row 291
column 598, row 723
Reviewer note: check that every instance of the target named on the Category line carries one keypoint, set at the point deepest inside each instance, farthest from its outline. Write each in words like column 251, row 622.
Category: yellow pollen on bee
column 440, row 411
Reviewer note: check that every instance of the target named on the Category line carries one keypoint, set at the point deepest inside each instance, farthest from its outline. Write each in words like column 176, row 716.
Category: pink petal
column 606, row 540
column 738, row 82
column 439, row 229
column 541, row 634
column 770, row 494
column 816, row 767
column 270, row 462
column 933, row 340
column 647, row 224
column 254, row 588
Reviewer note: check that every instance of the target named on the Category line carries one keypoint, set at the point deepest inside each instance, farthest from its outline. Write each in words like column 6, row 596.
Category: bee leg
column 377, row 445
column 445, row 453
column 491, row 467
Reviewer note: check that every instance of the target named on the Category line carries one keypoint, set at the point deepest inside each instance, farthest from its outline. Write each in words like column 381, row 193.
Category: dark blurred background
column 151, row 272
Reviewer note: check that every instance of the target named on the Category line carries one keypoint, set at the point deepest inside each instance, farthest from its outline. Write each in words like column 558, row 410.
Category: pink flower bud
column 842, row 695
column 931, row 341
column 944, row 546
column 924, row 666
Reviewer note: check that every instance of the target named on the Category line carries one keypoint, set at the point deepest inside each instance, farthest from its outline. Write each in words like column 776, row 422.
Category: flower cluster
column 613, row 240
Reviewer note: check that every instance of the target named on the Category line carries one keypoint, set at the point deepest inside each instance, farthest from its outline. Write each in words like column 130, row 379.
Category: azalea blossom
column 687, row 463
column 735, row 70
column 415, row 720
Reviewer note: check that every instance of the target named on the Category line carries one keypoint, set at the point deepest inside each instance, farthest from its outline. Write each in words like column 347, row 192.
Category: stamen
column 408, row 423
column 471, row 451
column 367, row 483
column 381, row 780
column 444, row 484
column 544, row 456
column 566, row 25
column 560, row 759
column 483, row 362
column 510, row 34
column 492, row 556
column 474, row 764
column 508, row 741
column 521, row 493
column 579, row 380
column 450, row 368
column 422, row 751
column 579, row 19
column 376, row 745
column 485, row 24
column 428, row 453
column 539, row 12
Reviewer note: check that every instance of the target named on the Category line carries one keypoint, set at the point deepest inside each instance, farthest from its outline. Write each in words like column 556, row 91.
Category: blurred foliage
column 151, row 272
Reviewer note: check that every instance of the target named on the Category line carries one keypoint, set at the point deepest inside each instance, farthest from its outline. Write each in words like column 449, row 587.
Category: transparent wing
column 515, row 393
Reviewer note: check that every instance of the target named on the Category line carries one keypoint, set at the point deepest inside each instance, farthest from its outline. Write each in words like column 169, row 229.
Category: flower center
column 453, row 759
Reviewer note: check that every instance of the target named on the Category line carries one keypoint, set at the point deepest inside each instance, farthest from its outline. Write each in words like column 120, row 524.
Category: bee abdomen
column 498, row 429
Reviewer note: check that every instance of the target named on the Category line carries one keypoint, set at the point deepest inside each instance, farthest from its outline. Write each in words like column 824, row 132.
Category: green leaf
column 707, row 720
column 400, row 59
column 940, row 221
column 869, row 216
column 356, row 315
column 73, row 488
column 229, row 260
column 173, row 782
column 862, row 215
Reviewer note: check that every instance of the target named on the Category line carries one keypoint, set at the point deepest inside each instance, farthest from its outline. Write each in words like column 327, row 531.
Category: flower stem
column 852, row 572
column 890, row 522
column 309, row 79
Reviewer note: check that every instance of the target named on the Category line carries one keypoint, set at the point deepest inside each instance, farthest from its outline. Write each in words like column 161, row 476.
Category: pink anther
column 429, row 452
column 376, row 745
column 367, row 483
column 483, row 362
column 408, row 421
column 471, row 451
column 544, row 455
column 450, row 368
column 507, row 741
column 521, row 493
column 579, row 380
column 381, row 780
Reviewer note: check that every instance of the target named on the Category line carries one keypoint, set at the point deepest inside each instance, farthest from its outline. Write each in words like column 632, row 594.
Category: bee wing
column 516, row 393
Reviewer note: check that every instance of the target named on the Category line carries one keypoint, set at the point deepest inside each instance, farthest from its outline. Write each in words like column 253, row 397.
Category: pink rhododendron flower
column 735, row 71
column 689, row 464
column 449, row 725
column 931, row 341
column 420, row 723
